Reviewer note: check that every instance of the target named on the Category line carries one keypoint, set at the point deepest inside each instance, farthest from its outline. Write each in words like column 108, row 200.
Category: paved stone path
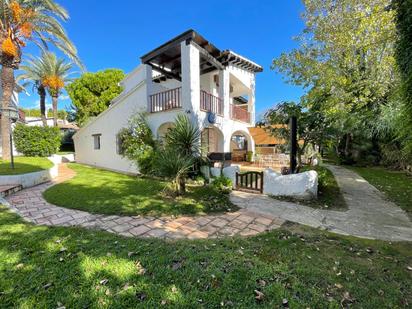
column 30, row 204
column 369, row 215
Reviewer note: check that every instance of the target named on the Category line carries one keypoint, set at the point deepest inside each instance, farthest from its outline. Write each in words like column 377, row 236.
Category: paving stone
column 172, row 226
column 197, row 235
column 227, row 230
column 218, row 222
column 238, row 224
column 157, row 233
column 264, row 221
column 157, row 223
column 257, row 227
column 246, row 218
column 120, row 228
column 139, row 230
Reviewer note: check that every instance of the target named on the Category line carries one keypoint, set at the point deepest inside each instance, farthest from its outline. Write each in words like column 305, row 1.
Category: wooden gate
column 250, row 181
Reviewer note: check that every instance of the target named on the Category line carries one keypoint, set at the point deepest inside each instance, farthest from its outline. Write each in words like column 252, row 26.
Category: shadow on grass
column 19, row 168
column 104, row 192
column 78, row 268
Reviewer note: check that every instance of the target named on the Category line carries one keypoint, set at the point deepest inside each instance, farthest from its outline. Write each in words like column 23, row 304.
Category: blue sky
column 114, row 34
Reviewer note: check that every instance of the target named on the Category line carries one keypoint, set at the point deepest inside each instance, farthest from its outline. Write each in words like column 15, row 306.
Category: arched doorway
column 162, row 130
column 240, row 144
column 211, row 140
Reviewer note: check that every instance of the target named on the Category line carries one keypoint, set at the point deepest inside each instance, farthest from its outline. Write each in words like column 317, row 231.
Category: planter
column 32, row 179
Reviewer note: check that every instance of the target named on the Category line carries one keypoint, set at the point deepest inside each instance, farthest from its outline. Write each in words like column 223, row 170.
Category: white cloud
column 64, row 97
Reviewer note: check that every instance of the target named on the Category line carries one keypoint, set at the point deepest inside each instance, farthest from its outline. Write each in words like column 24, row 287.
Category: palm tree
column 58, row 71
column 35, row 71
column 21, row 21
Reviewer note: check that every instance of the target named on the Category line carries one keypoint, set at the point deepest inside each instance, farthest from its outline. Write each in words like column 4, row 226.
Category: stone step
column 7, row 190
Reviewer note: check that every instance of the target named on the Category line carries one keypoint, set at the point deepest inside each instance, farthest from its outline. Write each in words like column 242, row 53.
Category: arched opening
column 162, row 130
column 211, row 140
column 240, row 144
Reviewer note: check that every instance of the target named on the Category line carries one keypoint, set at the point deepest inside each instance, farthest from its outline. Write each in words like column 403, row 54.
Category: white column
column 190, row 78
column 224, row 91
column 227, row 141
column 149, row 84
column 251, row 103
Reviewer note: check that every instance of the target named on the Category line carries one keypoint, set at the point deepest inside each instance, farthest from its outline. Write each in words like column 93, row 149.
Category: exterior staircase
column 7, row 190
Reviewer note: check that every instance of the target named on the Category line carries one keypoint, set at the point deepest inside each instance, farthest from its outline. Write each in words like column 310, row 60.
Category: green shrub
column 249, row 156
column 222, row 184
column 36, row 141
column 138, row 144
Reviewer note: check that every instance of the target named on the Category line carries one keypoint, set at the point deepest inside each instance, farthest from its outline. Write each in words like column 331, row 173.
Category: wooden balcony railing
column 166, row 100
column 239, row 113
column 211, row 103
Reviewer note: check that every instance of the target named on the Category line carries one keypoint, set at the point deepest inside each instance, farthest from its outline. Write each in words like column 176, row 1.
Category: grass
column 329, row 194
column 23, row 165
column 50, row 267
column 396, row 185
column 100, row 191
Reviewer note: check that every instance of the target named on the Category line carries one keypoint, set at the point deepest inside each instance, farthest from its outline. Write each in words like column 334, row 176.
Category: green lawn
column 24, row 165
column 329, row 195
column 99, row 191
column 45, row 267
column 396, row 185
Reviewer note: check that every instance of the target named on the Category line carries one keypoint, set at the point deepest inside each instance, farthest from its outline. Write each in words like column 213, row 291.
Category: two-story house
column 187, row 74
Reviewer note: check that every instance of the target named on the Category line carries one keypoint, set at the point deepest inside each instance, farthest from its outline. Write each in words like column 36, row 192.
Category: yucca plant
column 173, row 164
column 184, row 136
column 22, row 21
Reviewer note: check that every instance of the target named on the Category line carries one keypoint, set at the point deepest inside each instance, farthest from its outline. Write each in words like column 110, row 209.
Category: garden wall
column 302, row 185
column 32, row 179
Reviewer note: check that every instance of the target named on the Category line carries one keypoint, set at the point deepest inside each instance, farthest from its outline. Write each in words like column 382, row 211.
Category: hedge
column 36, row 141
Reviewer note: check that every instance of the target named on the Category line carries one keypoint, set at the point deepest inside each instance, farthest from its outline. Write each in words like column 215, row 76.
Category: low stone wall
column 31, row 179
column 229, row 172
column 301, row 186
column 57, row 159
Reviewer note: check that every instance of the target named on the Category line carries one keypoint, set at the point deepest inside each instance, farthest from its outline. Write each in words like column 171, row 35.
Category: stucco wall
column 108, row 124
column 138, row 85
column 302, row 185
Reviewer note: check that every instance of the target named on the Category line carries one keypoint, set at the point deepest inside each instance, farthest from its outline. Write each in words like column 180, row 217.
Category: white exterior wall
column 138, row 85
column 109, row 123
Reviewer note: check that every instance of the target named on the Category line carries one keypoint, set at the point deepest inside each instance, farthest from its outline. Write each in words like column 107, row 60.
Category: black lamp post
column 293, row 144
column 13, row 114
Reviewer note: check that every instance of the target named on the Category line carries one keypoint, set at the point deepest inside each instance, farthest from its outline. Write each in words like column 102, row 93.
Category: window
column 119, row 145
column 96, row 140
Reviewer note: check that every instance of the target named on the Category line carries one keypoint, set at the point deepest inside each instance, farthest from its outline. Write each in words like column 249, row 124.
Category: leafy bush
column 223, row 184
column 36, row 141
column 137, row 143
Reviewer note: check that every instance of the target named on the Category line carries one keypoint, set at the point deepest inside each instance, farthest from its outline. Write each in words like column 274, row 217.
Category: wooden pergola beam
column 209, row 58
column 166, row 73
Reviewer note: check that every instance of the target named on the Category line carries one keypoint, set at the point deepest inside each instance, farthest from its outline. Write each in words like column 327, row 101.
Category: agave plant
column 23, row 21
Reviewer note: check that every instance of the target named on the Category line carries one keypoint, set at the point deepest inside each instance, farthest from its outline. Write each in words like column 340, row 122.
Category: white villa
column 187, row 74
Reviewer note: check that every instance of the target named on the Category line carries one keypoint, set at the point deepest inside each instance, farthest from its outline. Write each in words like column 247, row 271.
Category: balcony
column 210, row 103
column 166, row 100
column 239, row 113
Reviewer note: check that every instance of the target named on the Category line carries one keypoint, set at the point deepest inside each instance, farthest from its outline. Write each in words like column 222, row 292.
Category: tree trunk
column 7, row 84
column 42, row 93
column 348, row 144
column 182, row 186
column 54, row 103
